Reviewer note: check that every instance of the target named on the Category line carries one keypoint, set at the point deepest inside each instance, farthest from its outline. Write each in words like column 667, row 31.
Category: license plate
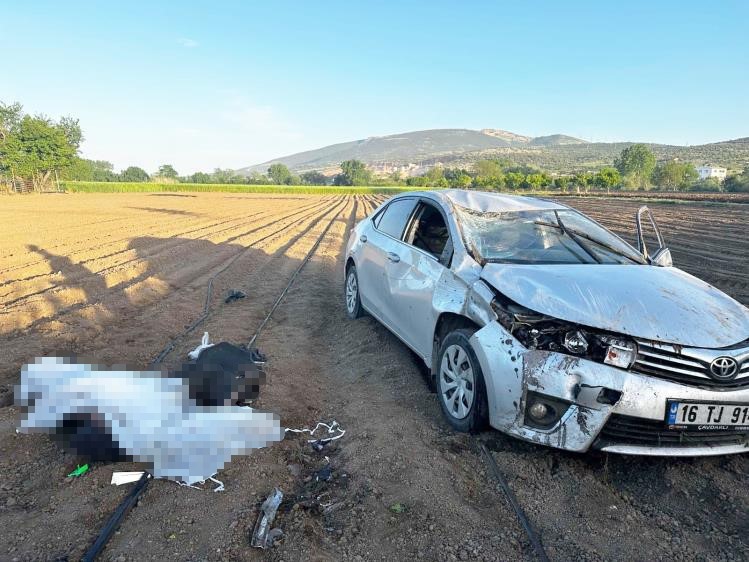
column 705, row 416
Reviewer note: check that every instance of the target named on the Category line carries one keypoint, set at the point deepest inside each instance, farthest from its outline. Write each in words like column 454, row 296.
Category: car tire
column 459, row 383
column 351, row 299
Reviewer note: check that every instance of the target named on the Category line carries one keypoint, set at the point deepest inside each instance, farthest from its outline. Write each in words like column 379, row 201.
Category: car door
column 422, row 254
column 377, row 250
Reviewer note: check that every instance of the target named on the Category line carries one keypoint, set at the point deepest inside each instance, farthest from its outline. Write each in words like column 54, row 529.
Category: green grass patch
column 147, row 187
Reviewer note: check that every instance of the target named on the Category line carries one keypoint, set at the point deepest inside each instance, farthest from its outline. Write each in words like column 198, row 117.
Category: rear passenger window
column 393, row 220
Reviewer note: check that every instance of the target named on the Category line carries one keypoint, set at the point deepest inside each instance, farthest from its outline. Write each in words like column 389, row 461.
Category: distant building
column 707, row 171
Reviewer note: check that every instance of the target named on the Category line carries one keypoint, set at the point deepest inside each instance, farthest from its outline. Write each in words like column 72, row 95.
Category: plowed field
column 117, row 277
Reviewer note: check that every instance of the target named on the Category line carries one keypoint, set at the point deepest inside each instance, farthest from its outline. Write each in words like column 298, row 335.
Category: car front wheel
column 460, row 383
column 353, row 302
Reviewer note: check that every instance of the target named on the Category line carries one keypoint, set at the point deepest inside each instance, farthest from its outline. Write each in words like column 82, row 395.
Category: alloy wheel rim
column 457, row 382
column 351, row 292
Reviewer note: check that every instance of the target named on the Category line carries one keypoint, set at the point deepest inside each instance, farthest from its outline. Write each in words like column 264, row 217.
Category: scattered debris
column 120, row 478
column 219, row 488
column 325, row 474
column 233, row 295
column 319, row 443
column 79, row 471
column 274, row 535
column 114, row 521
column 262, row 536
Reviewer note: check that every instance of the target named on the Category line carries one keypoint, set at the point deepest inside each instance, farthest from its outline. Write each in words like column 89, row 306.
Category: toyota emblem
column 724, row 368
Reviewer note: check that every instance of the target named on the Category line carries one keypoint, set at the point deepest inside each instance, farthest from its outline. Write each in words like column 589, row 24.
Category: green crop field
column 147, row 187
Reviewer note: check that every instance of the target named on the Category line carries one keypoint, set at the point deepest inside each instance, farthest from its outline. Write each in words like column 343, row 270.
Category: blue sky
column 227, row 84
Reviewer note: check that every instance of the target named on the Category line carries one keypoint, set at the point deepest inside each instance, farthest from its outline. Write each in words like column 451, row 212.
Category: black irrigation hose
column 522, row 517
column 116, row 518
column 294, row 276
column 209, row 291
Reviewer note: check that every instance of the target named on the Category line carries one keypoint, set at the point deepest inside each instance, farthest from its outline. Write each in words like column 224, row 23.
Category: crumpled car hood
column 655, row 303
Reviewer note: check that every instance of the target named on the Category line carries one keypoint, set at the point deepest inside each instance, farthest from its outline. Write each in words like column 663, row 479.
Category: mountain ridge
column 414, row 152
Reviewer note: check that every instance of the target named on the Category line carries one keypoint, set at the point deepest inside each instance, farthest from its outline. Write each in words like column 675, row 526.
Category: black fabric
column 88, row 436
column 223, row 374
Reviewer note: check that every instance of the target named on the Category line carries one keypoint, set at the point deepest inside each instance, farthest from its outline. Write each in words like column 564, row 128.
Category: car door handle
column 393, row 257
column 363, row 238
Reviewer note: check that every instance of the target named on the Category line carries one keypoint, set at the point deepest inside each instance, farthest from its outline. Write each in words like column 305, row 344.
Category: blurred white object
column 119, row 478
column 204, row 344
column 149, row 416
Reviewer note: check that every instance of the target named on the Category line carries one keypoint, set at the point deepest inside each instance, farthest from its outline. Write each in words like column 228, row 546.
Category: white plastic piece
column 219, row 488
column 332, row 428
column 119, row 478
column 204, row 344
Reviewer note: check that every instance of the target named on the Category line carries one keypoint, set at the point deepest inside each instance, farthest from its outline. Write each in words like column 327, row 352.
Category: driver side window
column 429, row 233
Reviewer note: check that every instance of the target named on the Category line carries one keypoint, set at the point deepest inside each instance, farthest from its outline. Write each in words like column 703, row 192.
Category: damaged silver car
column 537, row 320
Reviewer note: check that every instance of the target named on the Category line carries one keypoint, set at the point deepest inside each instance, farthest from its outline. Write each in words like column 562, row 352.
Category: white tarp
column 150, row 416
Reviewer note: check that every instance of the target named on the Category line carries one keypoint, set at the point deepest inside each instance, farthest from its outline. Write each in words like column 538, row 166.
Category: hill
column 413, row 152
column 417, row 148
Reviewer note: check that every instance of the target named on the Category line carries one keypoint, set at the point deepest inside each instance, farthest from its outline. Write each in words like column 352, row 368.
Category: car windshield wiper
column 577, row 240
column 603, row 244
column 575, row 235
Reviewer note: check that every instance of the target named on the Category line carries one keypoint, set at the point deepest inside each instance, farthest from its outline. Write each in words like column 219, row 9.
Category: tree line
column 635, row 168
column 36, row 147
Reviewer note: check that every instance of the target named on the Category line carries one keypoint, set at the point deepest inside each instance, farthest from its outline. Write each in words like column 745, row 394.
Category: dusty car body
column 537, row 320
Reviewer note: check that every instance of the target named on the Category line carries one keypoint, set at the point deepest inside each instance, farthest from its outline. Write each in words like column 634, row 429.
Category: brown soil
column 116, row 277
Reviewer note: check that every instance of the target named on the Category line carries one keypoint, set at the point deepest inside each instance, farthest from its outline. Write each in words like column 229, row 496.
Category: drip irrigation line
column 209, row 290
column 294, row 276
column 513, row 501
column 116, row 518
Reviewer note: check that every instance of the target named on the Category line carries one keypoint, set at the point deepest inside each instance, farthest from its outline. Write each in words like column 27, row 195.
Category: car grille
column 627, row 430
column 690, row 365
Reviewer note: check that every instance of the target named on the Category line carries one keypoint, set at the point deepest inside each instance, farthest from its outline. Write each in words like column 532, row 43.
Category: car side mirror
column 661, row 256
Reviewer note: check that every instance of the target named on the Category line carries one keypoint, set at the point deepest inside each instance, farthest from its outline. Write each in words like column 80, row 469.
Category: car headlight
column 538, row 331
column 575, row 342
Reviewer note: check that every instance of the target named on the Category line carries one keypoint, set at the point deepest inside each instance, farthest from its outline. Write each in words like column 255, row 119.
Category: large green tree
column 199, row 177
column 72, row 129
column 314, row 178
column 353, row 172
column 10, row 118
column 279, row 173
column 674, row 175
column 35, row 148
column 636, row 164
column 167, row 171
column 562, row 182
column 489, row 168
column 535, row 181
column 514, row 180
column 82, row 169
column 607, row 178
column 134, row 174
column 738, row 183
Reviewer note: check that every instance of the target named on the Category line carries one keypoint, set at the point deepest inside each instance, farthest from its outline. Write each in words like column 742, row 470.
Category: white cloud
column 187, row 42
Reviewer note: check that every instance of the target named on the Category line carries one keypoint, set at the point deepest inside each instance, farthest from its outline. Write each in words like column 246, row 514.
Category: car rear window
column 393, row 220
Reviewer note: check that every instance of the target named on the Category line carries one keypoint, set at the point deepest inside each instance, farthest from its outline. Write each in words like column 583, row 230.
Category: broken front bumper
column 632, row 424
